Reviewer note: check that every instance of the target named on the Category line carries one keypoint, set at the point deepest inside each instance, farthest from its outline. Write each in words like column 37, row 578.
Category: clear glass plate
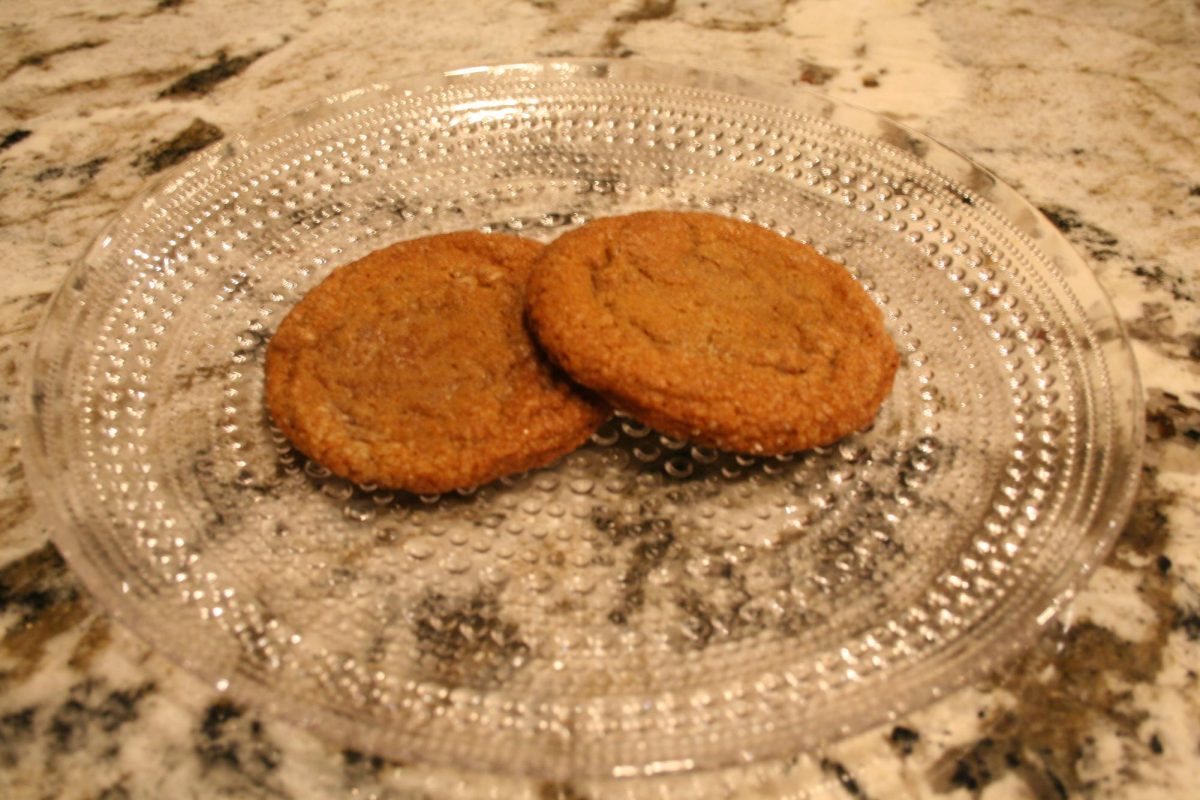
column 643, row 605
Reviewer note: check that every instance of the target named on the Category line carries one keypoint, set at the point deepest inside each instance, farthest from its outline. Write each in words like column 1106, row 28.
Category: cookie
column 412, row 369
column 714, row 330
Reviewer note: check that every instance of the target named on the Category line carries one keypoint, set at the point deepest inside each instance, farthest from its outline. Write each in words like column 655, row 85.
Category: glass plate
column 643, row 605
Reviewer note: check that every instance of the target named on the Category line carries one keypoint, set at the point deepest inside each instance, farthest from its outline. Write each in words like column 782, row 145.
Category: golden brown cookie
column 413, row 369
column 714, row 330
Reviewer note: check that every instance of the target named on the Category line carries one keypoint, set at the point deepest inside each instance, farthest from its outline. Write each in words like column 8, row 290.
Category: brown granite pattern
column 1088, row 109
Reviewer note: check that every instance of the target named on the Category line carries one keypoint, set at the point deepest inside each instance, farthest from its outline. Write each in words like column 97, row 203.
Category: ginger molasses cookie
column 412, row 368
column 714, row 330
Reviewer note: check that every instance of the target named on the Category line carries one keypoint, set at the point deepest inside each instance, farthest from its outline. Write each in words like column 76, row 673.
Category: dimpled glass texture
column 642, row 605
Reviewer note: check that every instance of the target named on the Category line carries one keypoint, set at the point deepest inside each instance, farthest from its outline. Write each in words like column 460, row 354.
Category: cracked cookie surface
column 714, row 330
column 412, row 369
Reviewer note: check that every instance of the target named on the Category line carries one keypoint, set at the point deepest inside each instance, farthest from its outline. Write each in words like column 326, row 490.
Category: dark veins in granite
column 86, row 171
column 203, row 81
column 1098, row 242
column 844, row 778
column 612, row 42
column 1160, row 276
column 92, row 712
column 645, row 10
column 42, row 57
column 1041, row 739
column 904, row 740
column 16, row 729
column 42, row 600
column 93, row 709
column 231, row 740
column 197, row 136
column 360, row 767
column 1102, row 245
column 815, row 74
column 1158, row 326
column 21, row 313
column 13, row 137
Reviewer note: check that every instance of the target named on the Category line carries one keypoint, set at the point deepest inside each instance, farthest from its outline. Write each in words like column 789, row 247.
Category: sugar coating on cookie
column 412, row 368
column 714, row 330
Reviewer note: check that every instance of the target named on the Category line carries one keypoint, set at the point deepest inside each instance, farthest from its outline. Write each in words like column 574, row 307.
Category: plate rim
column 1028, row 222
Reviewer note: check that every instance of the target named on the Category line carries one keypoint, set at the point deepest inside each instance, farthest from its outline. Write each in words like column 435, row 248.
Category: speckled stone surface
column 1089, row 110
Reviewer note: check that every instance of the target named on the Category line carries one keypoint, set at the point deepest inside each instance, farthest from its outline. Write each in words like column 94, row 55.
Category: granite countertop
column 1089, row 110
